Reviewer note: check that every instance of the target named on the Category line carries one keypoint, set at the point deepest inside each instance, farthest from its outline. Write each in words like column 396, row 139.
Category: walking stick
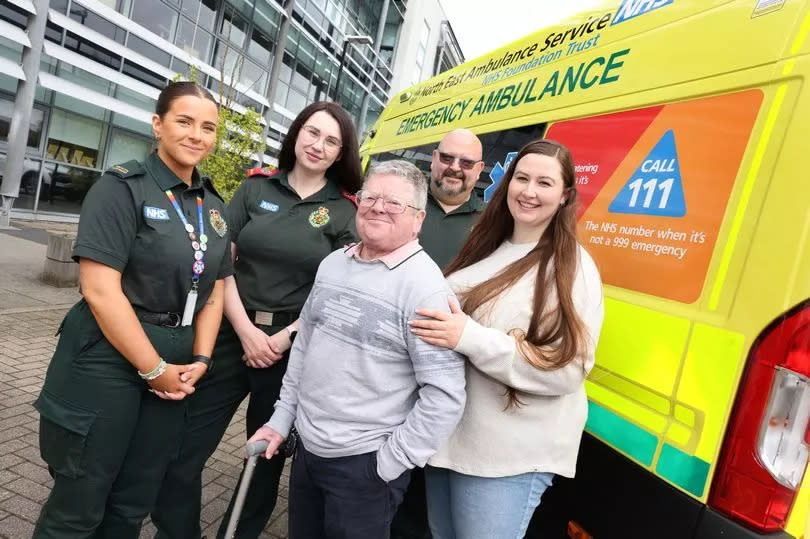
column 254, row 450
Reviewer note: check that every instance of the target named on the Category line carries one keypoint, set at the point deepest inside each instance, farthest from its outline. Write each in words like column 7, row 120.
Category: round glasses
column 311, row 134
column 367, row 199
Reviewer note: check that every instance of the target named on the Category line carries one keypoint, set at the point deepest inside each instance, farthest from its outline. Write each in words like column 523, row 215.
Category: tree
column 238, row 134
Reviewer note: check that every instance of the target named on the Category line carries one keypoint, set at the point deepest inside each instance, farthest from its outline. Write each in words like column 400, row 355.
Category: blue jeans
column 468, row 507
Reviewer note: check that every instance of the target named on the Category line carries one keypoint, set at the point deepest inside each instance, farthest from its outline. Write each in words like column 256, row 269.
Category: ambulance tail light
column 765, row 451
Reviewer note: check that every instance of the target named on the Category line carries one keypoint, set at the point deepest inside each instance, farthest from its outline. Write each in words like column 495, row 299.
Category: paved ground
column 30, row 312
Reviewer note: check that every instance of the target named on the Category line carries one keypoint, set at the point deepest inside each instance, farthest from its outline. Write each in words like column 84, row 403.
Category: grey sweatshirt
column 358, row 380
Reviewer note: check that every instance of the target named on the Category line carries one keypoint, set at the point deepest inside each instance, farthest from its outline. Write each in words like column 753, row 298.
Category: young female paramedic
column 282, row 223
column 533, row 299
column 153, row 251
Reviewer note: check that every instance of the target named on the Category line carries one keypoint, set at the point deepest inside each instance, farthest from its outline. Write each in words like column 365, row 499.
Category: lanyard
column 199, row 247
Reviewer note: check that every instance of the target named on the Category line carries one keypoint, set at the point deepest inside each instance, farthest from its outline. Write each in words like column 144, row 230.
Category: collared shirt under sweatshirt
column 358, row 380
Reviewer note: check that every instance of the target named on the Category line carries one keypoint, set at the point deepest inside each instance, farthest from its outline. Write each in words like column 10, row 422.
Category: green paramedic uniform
column 443, row 234
column 92, row 396
column 281, row 239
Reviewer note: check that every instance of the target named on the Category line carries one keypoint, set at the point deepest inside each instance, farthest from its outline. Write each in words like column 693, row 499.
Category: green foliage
column 238, row 139
column 235, row 145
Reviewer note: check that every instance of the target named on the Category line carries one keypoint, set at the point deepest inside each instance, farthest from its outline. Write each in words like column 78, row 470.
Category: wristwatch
column 292, row 332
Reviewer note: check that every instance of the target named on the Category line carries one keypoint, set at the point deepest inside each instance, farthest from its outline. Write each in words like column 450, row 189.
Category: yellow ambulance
column 689, row 123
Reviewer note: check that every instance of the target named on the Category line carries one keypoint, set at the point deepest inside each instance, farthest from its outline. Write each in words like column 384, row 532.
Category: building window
column 64, row 187
column 267, row 19
column 253, row 76
column 53, row 32
column 92, row 51
column 125, row 147
column 28, row 181
column 144, row 103
column 34, row 126
column 260, row 47
column 421, row 51
column 121, row 6
column 147, row 49
column 295, row 102
column 84, row 79
column 156, row 17
column 74, row 139
column 14, row 15
column 58, row 5
column 204, row 12
column 233, row 28
column 99, row 24
column 144, row 75
column 194, row 40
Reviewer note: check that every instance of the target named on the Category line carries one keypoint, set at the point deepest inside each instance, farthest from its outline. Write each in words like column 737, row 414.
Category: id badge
column 188, row 311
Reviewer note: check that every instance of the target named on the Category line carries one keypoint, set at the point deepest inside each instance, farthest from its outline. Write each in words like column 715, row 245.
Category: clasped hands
column 262, row 350
column 177, row 381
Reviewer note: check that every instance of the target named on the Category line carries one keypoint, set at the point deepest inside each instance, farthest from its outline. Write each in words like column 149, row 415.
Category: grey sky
column 482, row 26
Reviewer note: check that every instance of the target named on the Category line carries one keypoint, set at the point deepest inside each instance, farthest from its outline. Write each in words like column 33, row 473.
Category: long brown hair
column 552, row 340
column 346, row 170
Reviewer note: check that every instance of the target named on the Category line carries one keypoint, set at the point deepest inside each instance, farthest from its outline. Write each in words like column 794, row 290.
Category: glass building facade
column 103, row 63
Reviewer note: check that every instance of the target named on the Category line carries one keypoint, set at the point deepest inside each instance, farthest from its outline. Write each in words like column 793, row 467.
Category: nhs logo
column 157, row 214
column 268, row 206
column 634, row 8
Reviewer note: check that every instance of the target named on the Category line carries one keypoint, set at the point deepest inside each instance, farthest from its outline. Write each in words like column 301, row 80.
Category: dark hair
column 176, row 90
column 346, row 170
column 553, row 339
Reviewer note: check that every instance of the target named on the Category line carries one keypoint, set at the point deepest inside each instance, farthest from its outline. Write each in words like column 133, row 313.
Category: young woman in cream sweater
column 533, row 302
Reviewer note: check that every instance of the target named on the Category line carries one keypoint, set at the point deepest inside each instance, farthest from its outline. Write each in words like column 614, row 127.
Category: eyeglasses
column 449, row 158
column 311, row 134
column 367, row 199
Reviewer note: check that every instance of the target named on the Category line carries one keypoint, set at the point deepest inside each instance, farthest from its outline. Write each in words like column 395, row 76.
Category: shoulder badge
column 126, row 170
column 218, row 222
column 264, row 171
column 350, row 198
column 319, row 217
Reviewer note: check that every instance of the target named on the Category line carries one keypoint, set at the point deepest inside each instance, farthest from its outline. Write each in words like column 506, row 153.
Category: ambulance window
column 499, row 144
column 496, row 147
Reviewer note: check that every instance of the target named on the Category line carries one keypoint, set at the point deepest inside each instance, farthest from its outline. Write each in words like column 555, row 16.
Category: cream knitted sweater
column 543, row 434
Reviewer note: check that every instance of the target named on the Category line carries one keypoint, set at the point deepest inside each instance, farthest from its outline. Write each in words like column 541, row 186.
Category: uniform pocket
column 63, row 432
column 80, row 329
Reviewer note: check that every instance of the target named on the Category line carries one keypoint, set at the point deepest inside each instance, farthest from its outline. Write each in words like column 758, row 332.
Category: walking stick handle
column 256, row 448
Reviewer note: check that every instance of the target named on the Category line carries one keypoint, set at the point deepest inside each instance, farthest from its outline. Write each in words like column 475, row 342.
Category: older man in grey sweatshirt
column 369, row 399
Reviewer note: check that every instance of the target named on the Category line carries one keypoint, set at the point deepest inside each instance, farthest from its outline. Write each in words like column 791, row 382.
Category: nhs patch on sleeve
column 268, row 206
column 157, row 214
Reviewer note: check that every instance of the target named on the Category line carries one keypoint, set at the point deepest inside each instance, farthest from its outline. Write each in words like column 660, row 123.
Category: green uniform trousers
column 92, row 407
column 265, row 386
column 210, row 410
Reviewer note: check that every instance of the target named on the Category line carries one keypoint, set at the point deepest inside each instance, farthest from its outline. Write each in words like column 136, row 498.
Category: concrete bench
column 60, row 269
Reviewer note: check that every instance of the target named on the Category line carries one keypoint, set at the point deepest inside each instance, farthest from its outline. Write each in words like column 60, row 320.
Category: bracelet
column 154, row 373
column 201, row 359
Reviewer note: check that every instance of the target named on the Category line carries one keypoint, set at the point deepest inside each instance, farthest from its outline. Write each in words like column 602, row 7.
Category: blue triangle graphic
column 496, row 175
column 656, row 187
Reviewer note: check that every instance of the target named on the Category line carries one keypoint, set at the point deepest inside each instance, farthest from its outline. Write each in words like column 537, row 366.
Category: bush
column 238, row 140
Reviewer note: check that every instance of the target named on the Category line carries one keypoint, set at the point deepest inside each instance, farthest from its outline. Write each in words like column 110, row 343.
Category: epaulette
column 127, row 170
column 350, row 198
column 263, row 171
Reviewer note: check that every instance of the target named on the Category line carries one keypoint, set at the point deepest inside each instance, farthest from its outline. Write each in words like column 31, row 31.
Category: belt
column 171, row 320
column 264, row 318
